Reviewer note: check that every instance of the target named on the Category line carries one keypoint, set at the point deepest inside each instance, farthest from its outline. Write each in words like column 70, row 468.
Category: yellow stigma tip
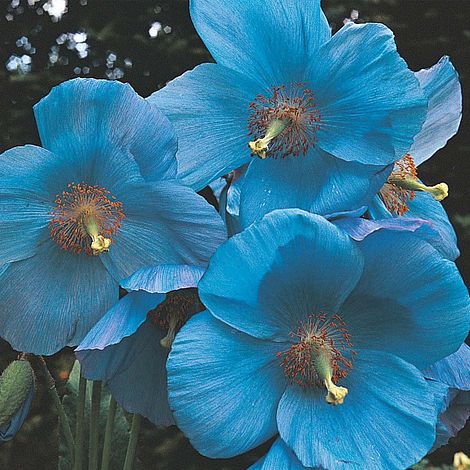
column 100, row 245
column 259, row 148
column 335, row 395
column 440, row 191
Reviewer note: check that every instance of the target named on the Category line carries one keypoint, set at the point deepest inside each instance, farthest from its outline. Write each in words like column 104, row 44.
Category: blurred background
column 148, row 43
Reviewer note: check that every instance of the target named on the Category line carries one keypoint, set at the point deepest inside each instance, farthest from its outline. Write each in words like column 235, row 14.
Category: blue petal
column 224, row 387
column 83, row 116
column 165, row 223
column 358, row 228
column 124, row 350
column 317, row 182
column 8, row 432
column 410, row 301
column 267, row 279
column 441, row 86
column 52, row 299
column 440, row 234
column 454, row 370
column 164, row 278
column 209, row 107
column 259, row 38
column 278, row 457
column 388, row 401
column 370, row 103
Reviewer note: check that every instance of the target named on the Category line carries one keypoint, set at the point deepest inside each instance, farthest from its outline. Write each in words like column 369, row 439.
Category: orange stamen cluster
column 395, row 198
column 293, row 105
column 78, row 207
column 319, row 335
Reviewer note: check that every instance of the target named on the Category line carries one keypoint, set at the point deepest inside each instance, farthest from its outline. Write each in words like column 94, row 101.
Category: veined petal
column 441, row 86
column 422, row 300
column 253, row 281
column 165, row 223
column 316, row 182
column 71, row 293
column 388, row 400
column 266, row 39
column 279, row 456
column 371, row 105
column 209, row 107
column 224, row 410
column 78, row 116
column 123, row 349
column 164, row 278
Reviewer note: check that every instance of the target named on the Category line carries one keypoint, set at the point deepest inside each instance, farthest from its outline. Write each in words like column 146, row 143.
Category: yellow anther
column 335, row 395
column 100, row 244
column 439, row 191
column 260, row 147
column 461, row 461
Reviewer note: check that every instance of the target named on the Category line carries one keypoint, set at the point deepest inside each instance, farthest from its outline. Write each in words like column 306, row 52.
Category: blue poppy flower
column 324, row 114
column 320, row 339
column 98, row 202
column 129, row 346
column 403, row 194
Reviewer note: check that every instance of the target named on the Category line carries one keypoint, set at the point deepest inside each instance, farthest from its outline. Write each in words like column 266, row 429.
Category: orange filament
column 394, row 197
column 323, row 352
column 83, row 216
column 293, row 105
column 174, row 311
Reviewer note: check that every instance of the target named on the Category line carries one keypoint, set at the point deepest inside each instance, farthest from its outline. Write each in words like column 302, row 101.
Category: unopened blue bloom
column 98, row 202
column 324, row 114
column 403, row 194
column 129, row 346
column 320, row 339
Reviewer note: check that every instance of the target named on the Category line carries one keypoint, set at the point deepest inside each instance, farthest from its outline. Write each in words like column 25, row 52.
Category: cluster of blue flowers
column 321, row 307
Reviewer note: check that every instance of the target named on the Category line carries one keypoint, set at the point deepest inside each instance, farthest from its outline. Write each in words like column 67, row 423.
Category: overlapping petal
column 277, row 272
column 224, row 410
column 404, row 298
column 279, row 456
column 265, row 39
column 387, row 397
column 80, row 117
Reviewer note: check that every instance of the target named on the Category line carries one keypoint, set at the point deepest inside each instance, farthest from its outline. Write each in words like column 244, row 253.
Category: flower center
column 402, row 184
column 284, row 123
column 174, row 311
column 321, row 356
column 84, row 219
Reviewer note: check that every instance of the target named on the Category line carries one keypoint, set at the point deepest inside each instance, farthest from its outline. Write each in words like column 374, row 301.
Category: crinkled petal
column 278, row 457
column 388, row 401
column 317, row 182
column 454, row 370
column 209, row 107
column 441, row 86
column 164, row 278
column 371, row 105
column 266, row 39
column 123, row 349
column 224, row 387
column 410, row 301
column 165, row 223
column 268, row 278
column 53, row 299
column 82, row 116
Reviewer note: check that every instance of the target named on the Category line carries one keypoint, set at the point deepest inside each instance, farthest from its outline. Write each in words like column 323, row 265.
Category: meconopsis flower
column 319, row 339
column 129, row 346
column 404, row 194
column 98, row 202
column 322, row 115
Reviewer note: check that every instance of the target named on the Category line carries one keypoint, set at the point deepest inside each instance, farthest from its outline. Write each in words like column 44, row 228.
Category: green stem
column 131, row 447
column 108, row 434
column 63, row 420
column 94, row 426
column 80, row 424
